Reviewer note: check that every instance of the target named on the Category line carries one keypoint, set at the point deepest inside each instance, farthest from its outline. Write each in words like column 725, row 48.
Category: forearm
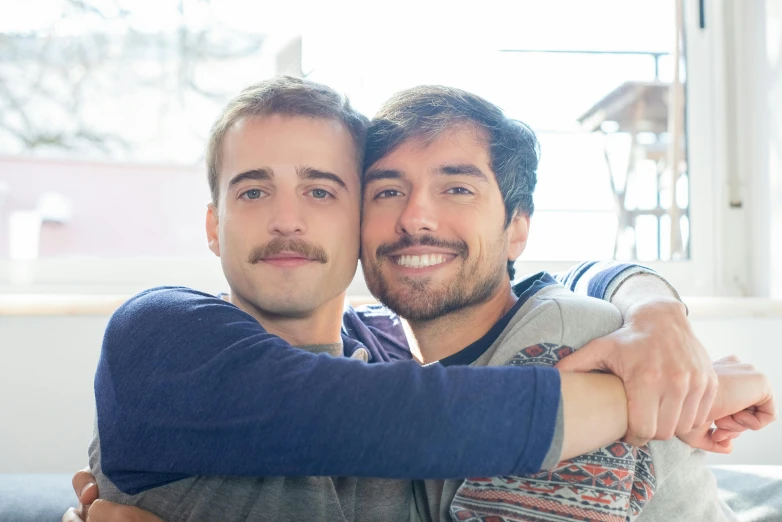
column 604, row 279
column 594, row 409
column 290, row 413
column 644, row 288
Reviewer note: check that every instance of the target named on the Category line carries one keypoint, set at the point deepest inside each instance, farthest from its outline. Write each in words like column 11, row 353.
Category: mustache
column 386, row 249
column 287, row 244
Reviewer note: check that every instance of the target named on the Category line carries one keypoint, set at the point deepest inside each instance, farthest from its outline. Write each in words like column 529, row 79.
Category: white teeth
column 420, row 261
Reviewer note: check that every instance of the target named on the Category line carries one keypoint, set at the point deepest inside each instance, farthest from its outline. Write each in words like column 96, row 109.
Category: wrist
column 643, row 289
column 654, row 303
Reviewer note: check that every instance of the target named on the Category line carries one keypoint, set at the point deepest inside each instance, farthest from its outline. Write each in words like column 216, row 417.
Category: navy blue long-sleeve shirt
column 188, row 384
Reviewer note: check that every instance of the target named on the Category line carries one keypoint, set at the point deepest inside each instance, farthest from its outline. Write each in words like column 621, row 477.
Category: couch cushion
column 754, row 493
column 35, row 497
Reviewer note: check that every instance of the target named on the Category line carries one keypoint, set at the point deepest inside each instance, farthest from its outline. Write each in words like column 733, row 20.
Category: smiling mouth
column 423, row 261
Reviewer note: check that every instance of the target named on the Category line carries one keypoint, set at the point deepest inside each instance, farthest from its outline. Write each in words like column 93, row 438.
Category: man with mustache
column 196, row 395
column 447, row 205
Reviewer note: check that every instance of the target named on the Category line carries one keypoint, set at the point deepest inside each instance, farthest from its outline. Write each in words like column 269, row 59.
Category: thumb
column 590, row 357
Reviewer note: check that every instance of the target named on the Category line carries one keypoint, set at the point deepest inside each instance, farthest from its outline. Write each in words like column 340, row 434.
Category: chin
column 287, row 309
column 417, row 300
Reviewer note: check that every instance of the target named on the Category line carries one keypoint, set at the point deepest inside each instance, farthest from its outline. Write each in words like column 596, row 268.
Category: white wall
column 47, row 363
column 46, row 398
column 758, row 341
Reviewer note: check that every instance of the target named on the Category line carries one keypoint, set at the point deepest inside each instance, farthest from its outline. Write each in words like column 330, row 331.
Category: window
column 105, row 108
column 593, row 79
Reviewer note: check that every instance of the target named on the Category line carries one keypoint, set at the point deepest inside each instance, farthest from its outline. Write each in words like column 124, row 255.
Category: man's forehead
column 283, row 142
column 462, row 150
column 461, row 141
column 277, row 125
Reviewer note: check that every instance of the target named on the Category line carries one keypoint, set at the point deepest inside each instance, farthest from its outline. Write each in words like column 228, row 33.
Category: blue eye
column 319, row 194
column 459, row 191
column 252, row 194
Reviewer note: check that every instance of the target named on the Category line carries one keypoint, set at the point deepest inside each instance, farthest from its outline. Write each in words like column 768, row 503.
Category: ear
column 212, row 228
column 518, row 231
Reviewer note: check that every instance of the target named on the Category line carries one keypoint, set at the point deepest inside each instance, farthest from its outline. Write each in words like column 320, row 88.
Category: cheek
column 374, row 231
column 336, row 230
column 381, row 218
column 481, row 237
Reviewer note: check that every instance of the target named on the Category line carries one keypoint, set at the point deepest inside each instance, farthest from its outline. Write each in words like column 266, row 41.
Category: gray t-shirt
column 275, row 499
column 662, row 482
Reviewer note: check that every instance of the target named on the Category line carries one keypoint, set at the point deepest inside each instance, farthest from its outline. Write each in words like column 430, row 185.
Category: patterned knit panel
column 610, row 484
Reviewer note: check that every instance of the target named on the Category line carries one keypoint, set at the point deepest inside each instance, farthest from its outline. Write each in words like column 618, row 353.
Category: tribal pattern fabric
column 610, row 484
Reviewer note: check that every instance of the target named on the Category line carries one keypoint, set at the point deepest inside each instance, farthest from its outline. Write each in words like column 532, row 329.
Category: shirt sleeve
column 601, row 279
column 188, row 384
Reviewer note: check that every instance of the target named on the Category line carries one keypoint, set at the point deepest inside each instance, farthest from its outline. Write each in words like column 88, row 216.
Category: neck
column 322, row 326
column 449, row 334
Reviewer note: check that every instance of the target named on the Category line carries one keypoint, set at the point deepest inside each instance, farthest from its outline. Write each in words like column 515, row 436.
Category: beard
column 420, row 299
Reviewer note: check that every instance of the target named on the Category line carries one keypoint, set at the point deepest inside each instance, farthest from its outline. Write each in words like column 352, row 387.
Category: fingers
column 72, row 515
column 729, row 424
column 728, row 359
column 642, row 415
column 768, row 409
column 589, row 357
column 693, row 401
column 84, row 486
column 89, row 494
column 80, row 479
column 105, row 511
column 753, row 420
column 707, row 401
column 672, row 401
column 724, row 447
column 720, row 435
column 715, row 442
column 721, row 441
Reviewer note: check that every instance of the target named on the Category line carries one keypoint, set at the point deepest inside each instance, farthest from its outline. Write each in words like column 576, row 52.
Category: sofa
column 753, row 492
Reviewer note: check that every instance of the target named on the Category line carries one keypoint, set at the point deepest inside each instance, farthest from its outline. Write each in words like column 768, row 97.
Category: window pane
column 104, row 210
column 106, row 107
column 571, row 236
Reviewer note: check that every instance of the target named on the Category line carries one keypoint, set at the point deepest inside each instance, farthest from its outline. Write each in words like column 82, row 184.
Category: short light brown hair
column 289, row 96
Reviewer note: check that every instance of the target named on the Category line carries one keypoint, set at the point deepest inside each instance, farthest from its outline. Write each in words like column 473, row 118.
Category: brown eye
column 390, row 193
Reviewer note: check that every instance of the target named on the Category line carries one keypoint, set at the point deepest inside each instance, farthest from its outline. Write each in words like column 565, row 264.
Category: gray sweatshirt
column 664, row 481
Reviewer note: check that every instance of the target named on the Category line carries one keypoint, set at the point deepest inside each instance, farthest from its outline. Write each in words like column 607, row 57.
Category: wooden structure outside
column 649, row 107
column 634, row 108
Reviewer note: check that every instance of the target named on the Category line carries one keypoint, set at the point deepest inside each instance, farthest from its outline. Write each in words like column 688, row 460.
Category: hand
column 744, row 401
column 668, row 377
column 93, row 509
column 86, row 489
column 703, row 438
column 105, row 511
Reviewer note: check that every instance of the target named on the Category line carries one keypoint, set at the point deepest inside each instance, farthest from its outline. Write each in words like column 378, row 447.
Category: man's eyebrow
column 254, row 174
column 462, row 169
column 310, row 173
column 378, row 174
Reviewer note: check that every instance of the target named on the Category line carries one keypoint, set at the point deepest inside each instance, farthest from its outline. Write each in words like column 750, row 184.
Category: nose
column 287, row 216
column 418, row 215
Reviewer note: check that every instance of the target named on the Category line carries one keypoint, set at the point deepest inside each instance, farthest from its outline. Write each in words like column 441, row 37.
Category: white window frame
column 708, row 150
